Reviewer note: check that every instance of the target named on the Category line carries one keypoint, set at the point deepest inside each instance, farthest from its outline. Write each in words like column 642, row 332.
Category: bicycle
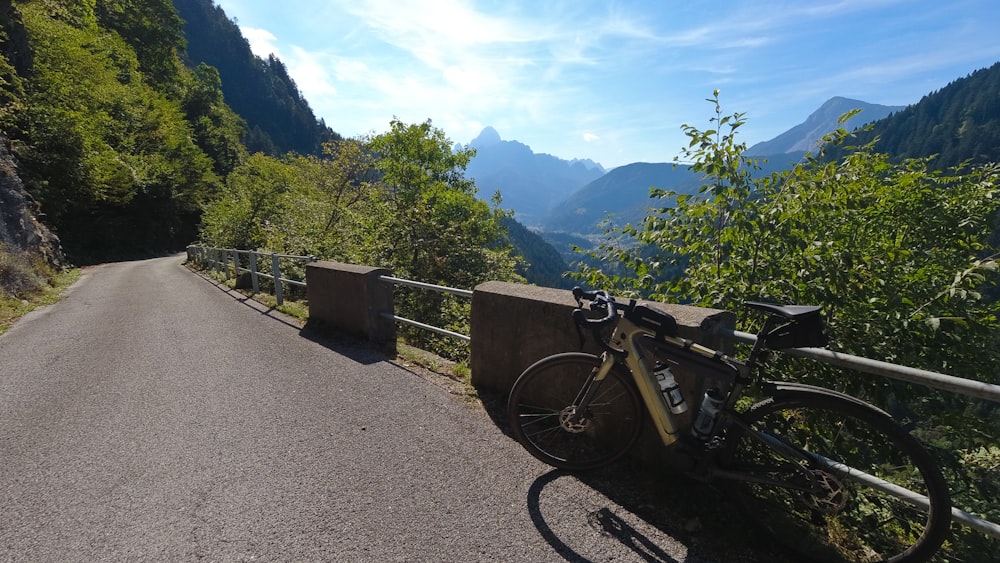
column 833, row 473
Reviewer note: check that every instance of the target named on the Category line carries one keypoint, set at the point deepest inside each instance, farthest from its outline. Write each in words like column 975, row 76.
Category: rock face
column 20, row 230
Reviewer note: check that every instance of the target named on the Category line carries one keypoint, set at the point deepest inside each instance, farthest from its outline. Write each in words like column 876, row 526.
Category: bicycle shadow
column 604, row 519
column 664, row 515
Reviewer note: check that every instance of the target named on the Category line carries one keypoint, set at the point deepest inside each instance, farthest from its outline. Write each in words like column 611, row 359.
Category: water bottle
column 670, row 389
column 704, row 423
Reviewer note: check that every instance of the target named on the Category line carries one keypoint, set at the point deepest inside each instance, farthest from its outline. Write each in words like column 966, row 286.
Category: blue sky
column 612, row 81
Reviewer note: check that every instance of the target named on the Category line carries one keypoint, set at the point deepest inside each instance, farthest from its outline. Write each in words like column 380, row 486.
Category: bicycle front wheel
column 546, row 417
column 840, row 481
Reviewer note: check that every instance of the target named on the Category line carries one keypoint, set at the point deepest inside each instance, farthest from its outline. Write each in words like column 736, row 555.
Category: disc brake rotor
column 567, row 422
column 832, row 494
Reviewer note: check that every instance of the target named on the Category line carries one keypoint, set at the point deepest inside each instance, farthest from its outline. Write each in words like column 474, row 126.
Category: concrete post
column 351, row 299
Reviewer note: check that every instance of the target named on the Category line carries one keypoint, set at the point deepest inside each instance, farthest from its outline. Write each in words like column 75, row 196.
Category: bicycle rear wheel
column 547, row 395
column 842, row 499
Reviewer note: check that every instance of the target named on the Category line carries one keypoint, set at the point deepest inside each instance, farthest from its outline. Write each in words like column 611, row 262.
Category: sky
column 612, row 81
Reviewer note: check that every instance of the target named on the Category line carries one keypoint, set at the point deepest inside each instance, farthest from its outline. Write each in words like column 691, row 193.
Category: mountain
column 529, row 183
column 278, row 118
column 543, row 265
column 623, row 192
column 803, row 137
column 960, row 122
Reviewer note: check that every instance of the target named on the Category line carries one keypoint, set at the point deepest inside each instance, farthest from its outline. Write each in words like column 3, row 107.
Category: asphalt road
column 152, row 416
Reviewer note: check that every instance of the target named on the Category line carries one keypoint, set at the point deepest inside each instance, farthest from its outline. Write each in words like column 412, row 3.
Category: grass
column 458, row 373
column 290, row 307
column 13, row 307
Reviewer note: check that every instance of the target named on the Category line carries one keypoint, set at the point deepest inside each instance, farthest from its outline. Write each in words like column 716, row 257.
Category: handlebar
column 598, row 300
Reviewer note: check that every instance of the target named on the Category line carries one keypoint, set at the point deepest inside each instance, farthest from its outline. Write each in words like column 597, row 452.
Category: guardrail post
column 236, row 264
column 253, row 272
column 276, row 270
column 351, row 298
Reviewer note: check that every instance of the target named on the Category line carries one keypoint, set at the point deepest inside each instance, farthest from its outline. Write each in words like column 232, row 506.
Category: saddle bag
column 808, row 332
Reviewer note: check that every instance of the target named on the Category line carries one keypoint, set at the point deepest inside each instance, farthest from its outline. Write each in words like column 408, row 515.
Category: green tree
column 425, row 223
column 152, row 28
column 431, row 225
column 252, row 199
column 217, row 128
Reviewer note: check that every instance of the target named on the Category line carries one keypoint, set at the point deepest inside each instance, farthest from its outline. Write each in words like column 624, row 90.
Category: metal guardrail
column 431, row 287
column 222, row 258
column 968, row 387
column 971, row 388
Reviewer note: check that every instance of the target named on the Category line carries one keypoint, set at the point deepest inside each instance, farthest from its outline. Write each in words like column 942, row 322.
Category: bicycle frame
column 626, row 346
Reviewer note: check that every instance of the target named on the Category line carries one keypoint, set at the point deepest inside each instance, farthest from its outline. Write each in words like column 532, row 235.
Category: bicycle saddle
column 790, row 312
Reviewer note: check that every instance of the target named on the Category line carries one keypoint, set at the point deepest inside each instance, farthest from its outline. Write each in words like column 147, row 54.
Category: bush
column 21, row 274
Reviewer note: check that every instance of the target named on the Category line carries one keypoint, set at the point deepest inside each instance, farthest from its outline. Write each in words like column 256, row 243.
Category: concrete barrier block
column 350, row 298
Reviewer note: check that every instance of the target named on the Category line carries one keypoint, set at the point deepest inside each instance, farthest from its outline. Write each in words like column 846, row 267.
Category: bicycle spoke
column 843, row 482
column 546, row 416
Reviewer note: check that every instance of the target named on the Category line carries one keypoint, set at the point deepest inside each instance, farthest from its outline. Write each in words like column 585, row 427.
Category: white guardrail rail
column 228, row 259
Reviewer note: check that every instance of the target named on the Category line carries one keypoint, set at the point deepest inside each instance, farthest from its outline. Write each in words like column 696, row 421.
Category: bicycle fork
column 589, row 390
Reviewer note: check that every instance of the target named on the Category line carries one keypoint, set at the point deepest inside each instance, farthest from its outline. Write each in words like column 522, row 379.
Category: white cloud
column 310, row 73
column 262, row 42
column 590, row 137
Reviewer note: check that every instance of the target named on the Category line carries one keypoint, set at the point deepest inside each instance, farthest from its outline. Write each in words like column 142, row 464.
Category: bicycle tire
column 547, row 392
column 853, row 521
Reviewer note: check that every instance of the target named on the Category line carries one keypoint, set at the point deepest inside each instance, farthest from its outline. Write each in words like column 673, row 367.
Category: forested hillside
column 119, row 143
column 278, row 118
column 960, row 122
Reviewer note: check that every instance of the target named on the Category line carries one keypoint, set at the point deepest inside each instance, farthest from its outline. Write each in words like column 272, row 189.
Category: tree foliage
column 958, row 123
column 278, row 117
column 398, row 200
column 118, row 142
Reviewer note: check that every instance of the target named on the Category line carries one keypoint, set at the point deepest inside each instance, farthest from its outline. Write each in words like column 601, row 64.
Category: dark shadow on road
column 691, row 512
column 621, row 530
column 538, row 519
column 360, row 351
column 603, row 519
column 357, row 350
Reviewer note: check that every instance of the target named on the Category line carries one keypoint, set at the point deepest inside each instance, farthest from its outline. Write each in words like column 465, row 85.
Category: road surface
column 154, row 416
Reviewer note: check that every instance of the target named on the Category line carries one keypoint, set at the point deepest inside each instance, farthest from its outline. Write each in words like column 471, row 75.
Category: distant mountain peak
column 529, row 182
column 487, row 138
column 804, row 136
